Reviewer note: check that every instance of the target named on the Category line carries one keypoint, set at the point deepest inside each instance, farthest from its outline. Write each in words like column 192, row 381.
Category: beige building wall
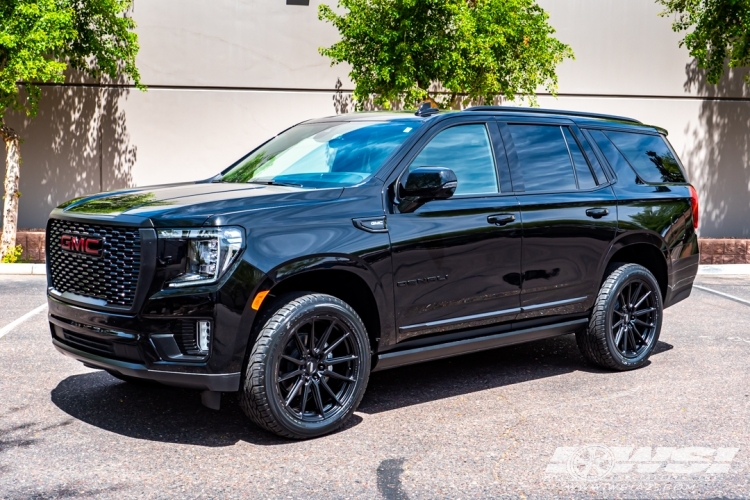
column 225, row 75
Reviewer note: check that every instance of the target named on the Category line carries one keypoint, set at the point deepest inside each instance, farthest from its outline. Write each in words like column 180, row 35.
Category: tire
column 620, row 336
column 301, row 391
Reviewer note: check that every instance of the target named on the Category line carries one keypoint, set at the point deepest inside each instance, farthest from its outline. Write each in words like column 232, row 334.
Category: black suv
column 362, row 242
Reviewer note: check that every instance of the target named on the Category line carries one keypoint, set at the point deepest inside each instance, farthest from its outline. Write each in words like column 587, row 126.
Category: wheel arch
column 343, row 277
column 645, row 249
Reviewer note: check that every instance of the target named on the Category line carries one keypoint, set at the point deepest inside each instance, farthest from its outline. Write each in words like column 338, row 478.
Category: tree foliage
column 40, row 39
column 718, row 32
column 449, row 50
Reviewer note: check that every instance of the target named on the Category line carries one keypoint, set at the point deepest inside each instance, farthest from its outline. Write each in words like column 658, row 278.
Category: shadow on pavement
column 167, row 414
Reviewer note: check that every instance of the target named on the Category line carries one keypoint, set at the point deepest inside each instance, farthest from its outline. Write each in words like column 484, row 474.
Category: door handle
column 501, row 219
column 597, row 213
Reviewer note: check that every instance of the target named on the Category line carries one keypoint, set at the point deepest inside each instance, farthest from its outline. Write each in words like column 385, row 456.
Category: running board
column 449, row 349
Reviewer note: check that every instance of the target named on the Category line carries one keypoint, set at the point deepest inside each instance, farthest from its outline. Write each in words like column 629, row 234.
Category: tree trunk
column 12, row 175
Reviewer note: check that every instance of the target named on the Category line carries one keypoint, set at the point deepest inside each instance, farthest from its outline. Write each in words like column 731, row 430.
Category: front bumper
column 145, row 347
column 222, row 382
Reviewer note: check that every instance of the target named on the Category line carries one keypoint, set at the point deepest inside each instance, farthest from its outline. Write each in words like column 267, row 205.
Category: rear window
column 649, row 155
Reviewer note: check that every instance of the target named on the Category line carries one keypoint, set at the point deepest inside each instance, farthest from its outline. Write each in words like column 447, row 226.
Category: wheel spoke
column 642, row 299
column 335, row 344
column 629, row 288
column 300, row 344
column 318, row 399
column 324, row 338
column 311, row 338
column 305, row 396
column 644, row 311
column 638, row 334
column 634, row 297
column 289, row 375
column 296, row 361
column 332, row 374
column 631, row 338
column 625, row 335
column 643, row 323
column 623, row 303
column 342, row 359
column 330, row 391
column 618, row 337
column 293, row 393
column 618, row 312
column 617, row 324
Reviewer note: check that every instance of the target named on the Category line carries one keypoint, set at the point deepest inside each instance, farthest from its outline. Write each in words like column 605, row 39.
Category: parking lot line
column 725, row 295
column 13, row 324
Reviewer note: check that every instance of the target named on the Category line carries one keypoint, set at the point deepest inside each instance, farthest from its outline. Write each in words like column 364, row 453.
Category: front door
column 569, row 214
column 457, row 261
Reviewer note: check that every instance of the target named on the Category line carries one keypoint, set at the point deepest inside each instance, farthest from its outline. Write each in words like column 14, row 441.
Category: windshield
column 320, row 155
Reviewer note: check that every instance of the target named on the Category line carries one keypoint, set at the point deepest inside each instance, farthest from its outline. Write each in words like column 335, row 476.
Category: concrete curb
column 9, row 269
column 725, row 269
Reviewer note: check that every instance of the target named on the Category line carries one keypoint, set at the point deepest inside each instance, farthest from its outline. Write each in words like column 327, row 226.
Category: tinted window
column 649, row 155
column 583, row 172
column 466, row 150
column 614, row 157
column 320, row 155
column 543, row 157
column 593, row 161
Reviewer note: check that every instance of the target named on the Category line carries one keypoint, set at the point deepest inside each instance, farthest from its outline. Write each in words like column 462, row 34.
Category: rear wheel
column 308, row 369
column 626, row 322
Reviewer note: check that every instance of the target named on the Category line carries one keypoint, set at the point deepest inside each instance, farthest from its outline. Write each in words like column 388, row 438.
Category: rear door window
column 543, row 158
column 583, row 172
column 649, row 155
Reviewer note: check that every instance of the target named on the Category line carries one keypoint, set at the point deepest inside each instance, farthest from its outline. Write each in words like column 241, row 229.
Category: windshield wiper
column 275, row 183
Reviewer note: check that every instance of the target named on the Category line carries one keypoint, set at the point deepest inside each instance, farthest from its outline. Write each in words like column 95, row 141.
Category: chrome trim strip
column 462, row 319
column 505, row 312
column 549, row 305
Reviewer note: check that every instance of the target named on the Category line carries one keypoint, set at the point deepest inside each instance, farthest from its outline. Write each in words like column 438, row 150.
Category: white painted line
column 8, row 328
column 729, row 269
column 725, row 295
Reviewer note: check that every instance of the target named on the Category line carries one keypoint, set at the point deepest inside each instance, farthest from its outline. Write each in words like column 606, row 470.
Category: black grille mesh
column 113, row 277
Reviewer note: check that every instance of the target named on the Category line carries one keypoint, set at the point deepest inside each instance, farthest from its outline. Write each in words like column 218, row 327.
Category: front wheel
column 308, row 369
column 625, row 324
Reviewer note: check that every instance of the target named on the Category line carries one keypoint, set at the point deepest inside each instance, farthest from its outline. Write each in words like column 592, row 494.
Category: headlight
column 210, row 252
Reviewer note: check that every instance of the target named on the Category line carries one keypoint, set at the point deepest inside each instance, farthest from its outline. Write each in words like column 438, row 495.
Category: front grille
column 113, row 277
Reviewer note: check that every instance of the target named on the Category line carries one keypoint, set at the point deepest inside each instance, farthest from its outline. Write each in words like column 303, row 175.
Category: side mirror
column 428, row 183
column 424, row 184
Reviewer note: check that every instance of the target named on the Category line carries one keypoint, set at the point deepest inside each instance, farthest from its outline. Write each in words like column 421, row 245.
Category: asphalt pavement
column 529, row 421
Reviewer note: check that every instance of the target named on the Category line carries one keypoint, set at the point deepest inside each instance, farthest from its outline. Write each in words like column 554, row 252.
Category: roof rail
column 514, row 109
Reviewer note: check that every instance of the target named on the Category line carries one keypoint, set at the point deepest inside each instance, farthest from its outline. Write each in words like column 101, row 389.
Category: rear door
column 569, row 215
column 457, row 262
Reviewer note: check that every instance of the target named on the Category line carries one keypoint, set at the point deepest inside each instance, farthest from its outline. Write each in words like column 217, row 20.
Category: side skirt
column 449, row 349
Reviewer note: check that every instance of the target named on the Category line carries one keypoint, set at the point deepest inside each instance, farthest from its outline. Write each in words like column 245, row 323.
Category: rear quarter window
column 649, row 155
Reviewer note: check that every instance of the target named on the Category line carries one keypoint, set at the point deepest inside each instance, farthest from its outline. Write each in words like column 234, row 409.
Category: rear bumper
column 225, row 382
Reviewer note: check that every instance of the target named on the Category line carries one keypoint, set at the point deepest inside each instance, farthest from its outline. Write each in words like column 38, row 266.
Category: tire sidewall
column 328, row 306
column 630, row 275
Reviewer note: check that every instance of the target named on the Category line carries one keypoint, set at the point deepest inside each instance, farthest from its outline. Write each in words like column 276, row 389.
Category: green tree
column 718, row 32
column 452, row 51
column 39, row 41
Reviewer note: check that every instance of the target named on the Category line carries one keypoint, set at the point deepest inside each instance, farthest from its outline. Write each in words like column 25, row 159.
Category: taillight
column 694, row 204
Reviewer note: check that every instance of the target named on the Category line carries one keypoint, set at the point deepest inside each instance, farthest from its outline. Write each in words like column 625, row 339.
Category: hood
column 191, row 203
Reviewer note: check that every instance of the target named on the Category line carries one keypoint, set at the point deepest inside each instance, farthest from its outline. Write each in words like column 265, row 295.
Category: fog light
column 203, row 335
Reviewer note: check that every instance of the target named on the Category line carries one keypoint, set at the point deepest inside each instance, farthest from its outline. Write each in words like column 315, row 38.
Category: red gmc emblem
column 81, row 244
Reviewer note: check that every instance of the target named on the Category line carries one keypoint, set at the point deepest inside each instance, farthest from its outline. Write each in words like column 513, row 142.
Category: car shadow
column 173, row 415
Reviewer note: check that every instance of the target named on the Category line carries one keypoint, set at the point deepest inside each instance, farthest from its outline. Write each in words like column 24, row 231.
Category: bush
column 13, row 255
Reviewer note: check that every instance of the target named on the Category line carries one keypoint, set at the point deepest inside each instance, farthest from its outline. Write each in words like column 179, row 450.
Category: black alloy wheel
column 626, row 320
column 634, row 316
column 315, row 375
column 308, row 368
